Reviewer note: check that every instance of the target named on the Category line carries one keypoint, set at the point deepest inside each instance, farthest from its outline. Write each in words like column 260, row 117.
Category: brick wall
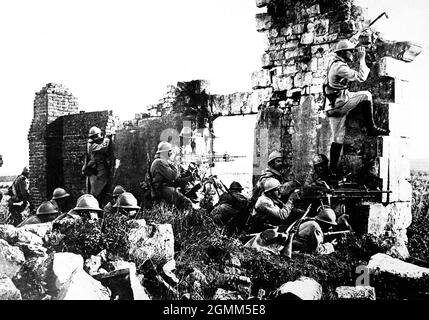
column 45, row 138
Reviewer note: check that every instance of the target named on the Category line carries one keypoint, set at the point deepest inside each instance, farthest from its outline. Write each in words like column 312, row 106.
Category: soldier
column 45, row 212
column 96, row 166
column 322, row 176
column 59, row 199
column 164, row 174
column 275, row 166
column 269, row 210
column 19, row 196
column 127, row 205
column 342, row 101
column 309, row 238
column 117, row 191
column 87, row 208
column 232, row 209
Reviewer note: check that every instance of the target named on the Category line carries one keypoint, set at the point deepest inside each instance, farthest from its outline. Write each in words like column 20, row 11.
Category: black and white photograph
column 215, row 156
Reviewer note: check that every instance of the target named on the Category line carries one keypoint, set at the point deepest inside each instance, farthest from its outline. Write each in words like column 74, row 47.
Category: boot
column 373, row 130
column 334, row 156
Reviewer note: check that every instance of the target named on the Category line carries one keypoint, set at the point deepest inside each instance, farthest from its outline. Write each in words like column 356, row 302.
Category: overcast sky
column 120, row 55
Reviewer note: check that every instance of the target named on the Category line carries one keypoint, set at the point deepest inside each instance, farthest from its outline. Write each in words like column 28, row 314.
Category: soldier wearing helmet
column 342, row 101
column 232, row 209
column 45, row 212
column 97, row 166
column 60, row 199
column 164, row 174
column 19, row 196
column 275, row 170
column 117, row 191
column 269, row 210
column 127, row 205
column 86, row 208
column 309, row 238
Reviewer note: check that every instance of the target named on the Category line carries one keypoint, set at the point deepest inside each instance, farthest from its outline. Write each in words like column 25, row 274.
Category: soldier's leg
column 363, row 100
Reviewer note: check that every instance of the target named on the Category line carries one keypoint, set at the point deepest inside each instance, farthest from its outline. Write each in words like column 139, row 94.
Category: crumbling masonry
column 287, row 95
column 299, row 34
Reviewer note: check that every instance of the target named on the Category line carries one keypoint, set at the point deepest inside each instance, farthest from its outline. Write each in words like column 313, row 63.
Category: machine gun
column 316, row 193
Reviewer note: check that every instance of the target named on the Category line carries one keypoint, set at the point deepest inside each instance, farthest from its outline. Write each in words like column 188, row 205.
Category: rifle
column 335, row 233
column 291, row 231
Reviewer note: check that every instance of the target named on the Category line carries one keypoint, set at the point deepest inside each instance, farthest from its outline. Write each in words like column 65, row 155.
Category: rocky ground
column 169, row 255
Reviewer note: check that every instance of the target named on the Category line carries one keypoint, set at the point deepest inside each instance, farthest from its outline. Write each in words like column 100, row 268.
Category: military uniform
column 97, row 162
column 269, row 213
column 309, row 239
column 164, row 173
column 231, row 210
column 19, row 201
column 285, row 190
column 339, row 75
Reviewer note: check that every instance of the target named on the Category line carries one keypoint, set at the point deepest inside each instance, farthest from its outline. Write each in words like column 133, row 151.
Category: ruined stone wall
column 58, row 134
column 45, row 138
column 300, row 36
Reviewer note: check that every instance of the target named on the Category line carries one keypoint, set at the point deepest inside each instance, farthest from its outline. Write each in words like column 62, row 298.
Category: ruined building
column 287, row 97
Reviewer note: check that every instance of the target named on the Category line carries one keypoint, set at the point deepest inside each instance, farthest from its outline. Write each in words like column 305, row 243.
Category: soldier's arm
column 269, row 208
column 22, row 185
column 344, row 71
column 99, row 147
column 168, row 171
column 322, row 248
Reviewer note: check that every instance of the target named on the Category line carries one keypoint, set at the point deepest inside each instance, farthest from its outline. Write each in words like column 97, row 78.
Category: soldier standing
column 342, row 101
column 19, row 196
column 97, row 166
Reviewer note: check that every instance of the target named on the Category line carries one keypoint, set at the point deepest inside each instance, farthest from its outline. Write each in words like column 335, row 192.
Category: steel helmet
column 87, row 202
column 94, row 131
column 271, row 184
column 118, row 190
column 274, row 155
column 59, row 193
column 343, row 45
column 320, row 159
column 46, row 208
column 25, row 170
column 235, row 186
column 126, row 201
column 326, row 215
column 163, row 146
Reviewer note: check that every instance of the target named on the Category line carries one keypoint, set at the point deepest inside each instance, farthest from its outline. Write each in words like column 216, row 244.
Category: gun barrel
column 333, row 233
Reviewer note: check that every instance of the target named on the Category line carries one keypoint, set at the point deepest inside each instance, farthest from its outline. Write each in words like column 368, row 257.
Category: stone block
column 64, row 265
column 222, row 294
column 154, row 242
column 81, row 286
column 260, row 97
column 282, row 83
column 8, row 291
column 11, row 259
column 398, row 119
column 262, row 3
column 39, row 229
column 261, row 79
column 263, row 22
column 130, row 280
column 381, row 262
column 31, row 250
column 377, row 216
column 307, row 38
column 303, row 289
column 399, row 215
column 266, row 60
column 356, row 293
column 298, row 28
